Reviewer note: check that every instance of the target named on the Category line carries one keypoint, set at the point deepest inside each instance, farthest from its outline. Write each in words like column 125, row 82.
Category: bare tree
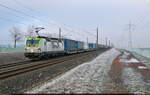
column 16, row 35
column 30, row 31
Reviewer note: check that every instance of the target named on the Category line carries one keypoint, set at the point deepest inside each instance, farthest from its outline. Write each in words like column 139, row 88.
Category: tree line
column 17, row 35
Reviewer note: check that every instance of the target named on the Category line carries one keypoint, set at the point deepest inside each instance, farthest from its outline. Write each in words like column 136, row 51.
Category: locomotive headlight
column 39, row 49
column 25, row 48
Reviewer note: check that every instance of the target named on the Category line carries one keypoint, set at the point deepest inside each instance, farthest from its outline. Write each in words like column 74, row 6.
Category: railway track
column 9, row 70
column 14, row 64
column 21, row 63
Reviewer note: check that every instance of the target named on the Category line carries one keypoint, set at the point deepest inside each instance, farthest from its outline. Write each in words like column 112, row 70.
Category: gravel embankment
column 86, row 78
column 134, row 83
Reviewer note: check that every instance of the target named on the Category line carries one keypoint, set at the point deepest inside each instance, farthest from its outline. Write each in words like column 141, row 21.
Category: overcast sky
column 81, row 16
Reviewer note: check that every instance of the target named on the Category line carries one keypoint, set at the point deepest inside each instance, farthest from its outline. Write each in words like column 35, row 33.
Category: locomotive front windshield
column 32, row 42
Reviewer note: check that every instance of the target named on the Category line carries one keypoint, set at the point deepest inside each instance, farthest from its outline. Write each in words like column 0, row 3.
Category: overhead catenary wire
column 9, row 20
column 80, row 34
column 16, row 16
column 25, row 6
column 17, row 11
column 21, row 12
column 34, row 17
column 33, row 10
column 87, row 31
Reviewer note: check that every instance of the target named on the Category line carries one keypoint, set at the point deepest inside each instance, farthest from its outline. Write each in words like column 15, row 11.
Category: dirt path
column 115, row 84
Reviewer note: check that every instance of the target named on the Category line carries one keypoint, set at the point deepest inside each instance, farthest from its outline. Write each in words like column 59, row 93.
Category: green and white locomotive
column 43, row 47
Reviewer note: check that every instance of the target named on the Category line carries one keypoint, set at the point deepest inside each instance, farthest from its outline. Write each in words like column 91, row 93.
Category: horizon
column 79, row 19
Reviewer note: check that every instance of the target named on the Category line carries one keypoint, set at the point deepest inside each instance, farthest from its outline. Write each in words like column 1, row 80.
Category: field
column 10, row 55
column 6, row 49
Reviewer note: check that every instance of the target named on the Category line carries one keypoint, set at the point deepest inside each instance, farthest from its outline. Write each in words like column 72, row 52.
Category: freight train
column 41, row 46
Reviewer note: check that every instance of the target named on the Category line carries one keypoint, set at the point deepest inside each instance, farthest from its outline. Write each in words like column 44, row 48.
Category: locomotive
column 41, row 46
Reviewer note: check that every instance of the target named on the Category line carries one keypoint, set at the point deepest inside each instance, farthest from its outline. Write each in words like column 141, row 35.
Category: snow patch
column 132, row 60
column 142, row 67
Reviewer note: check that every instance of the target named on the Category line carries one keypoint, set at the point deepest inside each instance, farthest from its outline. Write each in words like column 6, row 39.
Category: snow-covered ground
column 132, row 60
column 142, row 58
column 142, row 54
column 133, row 81
column 86, row 78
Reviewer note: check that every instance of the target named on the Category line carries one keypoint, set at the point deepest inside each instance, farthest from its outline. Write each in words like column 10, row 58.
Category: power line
column 71, row 30
column 17, row 11
column 20, row 12
column 20, row 17
column 24, row 6
column 141, row 18
column 23, row 13
column 81, row 34
column 30, row 9
column 90, row 33
column 87, row 31
column 19, row 3
column 9, row 20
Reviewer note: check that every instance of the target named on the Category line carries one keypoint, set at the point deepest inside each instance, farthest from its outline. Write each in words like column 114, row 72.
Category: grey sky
column 111, row 16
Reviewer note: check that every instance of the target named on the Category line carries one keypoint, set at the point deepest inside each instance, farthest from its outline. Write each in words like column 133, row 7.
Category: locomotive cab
column 33, row 47
column 43, row 47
